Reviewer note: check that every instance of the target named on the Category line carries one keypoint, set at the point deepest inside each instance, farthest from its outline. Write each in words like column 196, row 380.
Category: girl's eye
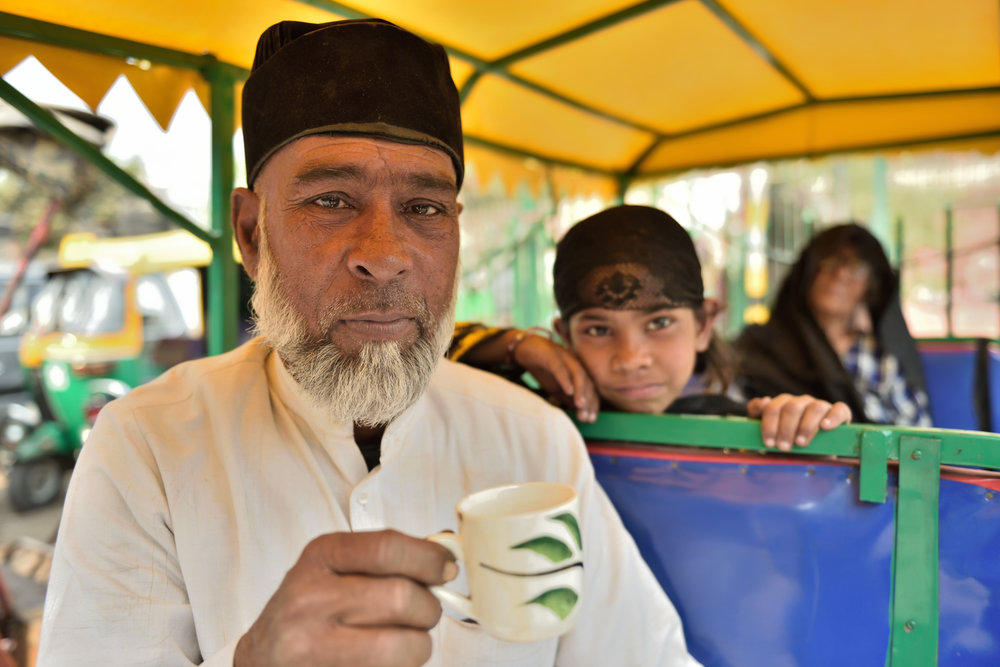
column 596, row 330
column 331, row 201
column 660, row 322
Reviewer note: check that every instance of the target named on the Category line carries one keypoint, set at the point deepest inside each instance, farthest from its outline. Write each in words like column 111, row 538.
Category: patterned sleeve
column 467, row 336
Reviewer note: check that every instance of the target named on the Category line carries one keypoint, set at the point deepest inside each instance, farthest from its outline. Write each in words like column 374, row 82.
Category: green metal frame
column 918, row 453
column 223, row 276
column 949, row 256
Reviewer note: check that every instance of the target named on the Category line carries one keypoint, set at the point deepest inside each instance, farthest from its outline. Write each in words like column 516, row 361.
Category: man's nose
column 379, row 250
column 631, row 354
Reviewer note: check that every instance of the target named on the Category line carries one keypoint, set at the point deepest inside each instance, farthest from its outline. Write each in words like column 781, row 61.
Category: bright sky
column 177, row 163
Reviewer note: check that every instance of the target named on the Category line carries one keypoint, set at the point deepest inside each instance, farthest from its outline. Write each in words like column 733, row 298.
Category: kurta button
column 362, row 499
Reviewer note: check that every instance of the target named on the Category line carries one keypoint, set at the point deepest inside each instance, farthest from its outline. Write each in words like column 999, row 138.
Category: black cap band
column 627, row 258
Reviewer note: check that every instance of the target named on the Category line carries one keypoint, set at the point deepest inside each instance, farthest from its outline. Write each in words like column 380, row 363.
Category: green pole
column 623, row 182
column 223, row 272
column 949, row 258
column 879, row 222
column 899, row 244
column 915, row 613
column 736, row 298
column 535, row 283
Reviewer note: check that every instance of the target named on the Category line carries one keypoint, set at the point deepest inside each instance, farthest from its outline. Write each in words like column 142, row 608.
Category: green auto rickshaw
column 115, row 314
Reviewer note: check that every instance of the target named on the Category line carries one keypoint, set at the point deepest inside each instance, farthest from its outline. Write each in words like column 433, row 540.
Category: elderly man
column 243, row 509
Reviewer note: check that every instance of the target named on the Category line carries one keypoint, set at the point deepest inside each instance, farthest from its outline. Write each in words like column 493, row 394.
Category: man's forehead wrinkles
column 430, row 181
column 311, row 172
column 418, row 179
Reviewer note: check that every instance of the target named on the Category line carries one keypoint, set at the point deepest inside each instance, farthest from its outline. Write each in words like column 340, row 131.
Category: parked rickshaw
column 116, row 313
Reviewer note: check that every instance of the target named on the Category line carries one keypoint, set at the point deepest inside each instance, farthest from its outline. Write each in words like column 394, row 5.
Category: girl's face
column 640, row 360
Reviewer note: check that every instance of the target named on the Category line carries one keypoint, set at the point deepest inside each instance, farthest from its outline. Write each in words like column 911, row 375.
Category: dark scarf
column 791, row 354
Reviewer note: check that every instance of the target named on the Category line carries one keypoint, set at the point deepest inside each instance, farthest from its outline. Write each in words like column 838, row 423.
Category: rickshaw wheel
column 33, row 484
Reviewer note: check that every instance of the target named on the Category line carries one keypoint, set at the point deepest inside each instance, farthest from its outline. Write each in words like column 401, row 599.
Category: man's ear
column 710, row 309
column 246, row 213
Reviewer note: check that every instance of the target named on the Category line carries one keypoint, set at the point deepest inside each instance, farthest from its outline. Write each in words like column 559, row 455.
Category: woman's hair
column 633, row 257
column 794, row 291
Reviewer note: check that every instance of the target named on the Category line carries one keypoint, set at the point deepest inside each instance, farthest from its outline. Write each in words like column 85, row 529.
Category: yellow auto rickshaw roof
column 605, row 89
column 145, row 253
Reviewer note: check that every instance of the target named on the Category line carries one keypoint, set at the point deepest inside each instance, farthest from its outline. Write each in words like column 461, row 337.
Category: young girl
column 639, row 333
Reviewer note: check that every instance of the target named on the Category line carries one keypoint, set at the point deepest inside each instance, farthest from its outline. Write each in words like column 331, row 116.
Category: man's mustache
column 384, row 298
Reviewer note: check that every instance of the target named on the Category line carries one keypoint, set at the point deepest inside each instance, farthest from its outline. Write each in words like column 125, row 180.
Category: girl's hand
column 560, row 373
column 787, row 419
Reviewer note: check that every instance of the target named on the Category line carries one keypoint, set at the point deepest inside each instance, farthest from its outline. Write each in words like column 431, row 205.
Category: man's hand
column 560, row 373
column 352, row 599
column 787, row 419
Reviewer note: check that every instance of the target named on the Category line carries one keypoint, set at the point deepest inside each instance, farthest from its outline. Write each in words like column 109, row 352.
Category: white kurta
column 197, row 492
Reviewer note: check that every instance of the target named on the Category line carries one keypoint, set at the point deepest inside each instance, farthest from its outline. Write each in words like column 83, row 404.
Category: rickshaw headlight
column 12, row 434
column 56, row 377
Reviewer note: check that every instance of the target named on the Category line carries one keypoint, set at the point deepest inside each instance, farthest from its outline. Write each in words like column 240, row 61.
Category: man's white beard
column 374, row 385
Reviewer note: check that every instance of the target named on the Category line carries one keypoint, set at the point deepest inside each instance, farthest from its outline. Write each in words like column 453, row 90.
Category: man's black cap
column 366, row 77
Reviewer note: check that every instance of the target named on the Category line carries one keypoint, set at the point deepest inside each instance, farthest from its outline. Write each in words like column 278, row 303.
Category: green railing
column 918, row 454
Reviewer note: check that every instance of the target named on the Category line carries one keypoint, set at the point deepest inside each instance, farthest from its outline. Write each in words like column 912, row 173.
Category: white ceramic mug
column 522, row 551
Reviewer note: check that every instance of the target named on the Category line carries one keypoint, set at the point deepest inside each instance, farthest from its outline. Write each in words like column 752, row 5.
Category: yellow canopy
column 584, row 94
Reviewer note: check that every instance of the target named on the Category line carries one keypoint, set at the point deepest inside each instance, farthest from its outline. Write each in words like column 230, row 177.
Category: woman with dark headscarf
column 638, row 331
column 837, row 332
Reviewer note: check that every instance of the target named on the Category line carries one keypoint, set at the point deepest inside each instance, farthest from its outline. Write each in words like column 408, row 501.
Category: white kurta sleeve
column 116, row 595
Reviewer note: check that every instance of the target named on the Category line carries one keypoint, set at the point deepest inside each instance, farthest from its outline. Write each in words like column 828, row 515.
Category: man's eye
column 660, row 322
column 596, row 330
column 330, row 201
column 424, row 209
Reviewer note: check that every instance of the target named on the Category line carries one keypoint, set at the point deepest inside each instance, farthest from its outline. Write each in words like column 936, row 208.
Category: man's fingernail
column 783, row 445
column 769, row 442
column 450, row 570
column 801, row 441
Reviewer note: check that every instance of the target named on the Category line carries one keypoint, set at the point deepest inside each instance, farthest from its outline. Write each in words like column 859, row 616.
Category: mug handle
column 456, row 601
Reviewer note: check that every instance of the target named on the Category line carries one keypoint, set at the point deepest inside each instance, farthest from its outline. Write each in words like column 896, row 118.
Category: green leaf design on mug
column 559, row 600
column 573, row 526
column 552, row 548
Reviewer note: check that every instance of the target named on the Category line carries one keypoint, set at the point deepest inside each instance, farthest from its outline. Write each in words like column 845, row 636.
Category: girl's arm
column 510, row 352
